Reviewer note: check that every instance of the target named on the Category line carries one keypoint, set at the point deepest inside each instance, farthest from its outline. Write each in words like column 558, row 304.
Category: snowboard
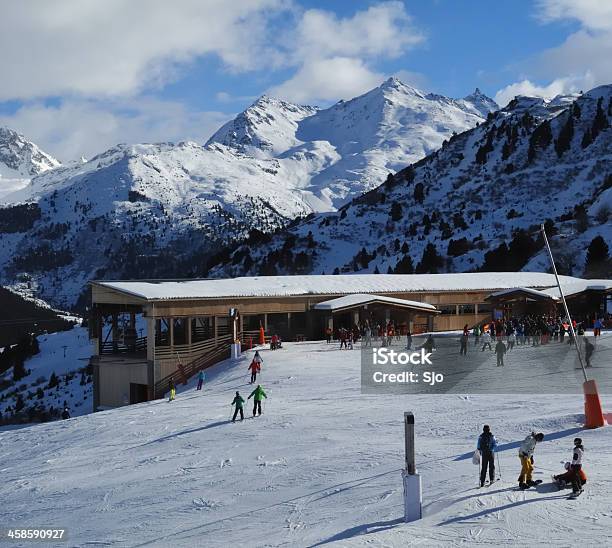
column 575, row 495
column 559, row 484
column 534, row 484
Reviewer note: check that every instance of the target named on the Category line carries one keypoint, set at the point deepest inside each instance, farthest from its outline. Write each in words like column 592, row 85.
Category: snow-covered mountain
column 140, row 210
column 358, row 141
column 475, row 203
column 20, row 160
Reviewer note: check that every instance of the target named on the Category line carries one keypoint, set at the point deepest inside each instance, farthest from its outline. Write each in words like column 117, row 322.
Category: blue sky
column 81, row 75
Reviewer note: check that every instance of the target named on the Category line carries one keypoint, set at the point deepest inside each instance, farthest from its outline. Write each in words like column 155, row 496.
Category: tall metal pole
column 569, row 318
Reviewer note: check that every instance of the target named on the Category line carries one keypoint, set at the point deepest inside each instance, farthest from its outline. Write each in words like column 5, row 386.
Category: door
column 138, row 393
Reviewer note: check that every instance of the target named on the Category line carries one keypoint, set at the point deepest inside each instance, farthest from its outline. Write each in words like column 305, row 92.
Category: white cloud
column 328, row 80
column 115, row 47
column 593, row 14
column 381, row 30
column 581, row 62
column 77, row 127
column 334, row 55
column 558, row 86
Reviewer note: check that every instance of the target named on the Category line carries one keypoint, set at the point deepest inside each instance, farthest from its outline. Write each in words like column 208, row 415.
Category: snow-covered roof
column 347, row 284
column 578, row 286
column 359, row 299
column 534, row 292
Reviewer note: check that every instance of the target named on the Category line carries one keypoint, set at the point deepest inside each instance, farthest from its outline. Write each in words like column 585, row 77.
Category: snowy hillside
column 161, row 210
column 475, row 203
column 321, row 466
column 64, row 355
column 20, row 160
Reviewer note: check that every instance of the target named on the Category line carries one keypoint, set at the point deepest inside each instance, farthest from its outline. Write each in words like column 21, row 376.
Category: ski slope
column 320, row 467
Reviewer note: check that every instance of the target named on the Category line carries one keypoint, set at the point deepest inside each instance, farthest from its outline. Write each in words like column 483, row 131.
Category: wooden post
column 214, row 320
column 171, row 331
column 409, row 442
column 188, row 333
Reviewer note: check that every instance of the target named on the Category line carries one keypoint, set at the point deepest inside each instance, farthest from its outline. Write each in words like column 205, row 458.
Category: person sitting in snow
column 526, row 456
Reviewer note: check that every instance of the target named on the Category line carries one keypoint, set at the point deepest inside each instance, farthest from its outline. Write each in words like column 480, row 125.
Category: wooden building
column 145, row 333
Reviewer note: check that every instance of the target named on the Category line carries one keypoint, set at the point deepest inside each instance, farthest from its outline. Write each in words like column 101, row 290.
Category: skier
column 589, row 348
column 172, row 390
column 526, row 456
column 328, row 334
column 238, row 401
column 408, row 340
column 257, row 358
column 486, row 340
column 500, row 350
column 429, row 345
column 486, row 445
column 254, row 368
column 576, row 467
column 200, row 380
column 476, row 333
column 511, row 340
column 464, row 342
column 258, row 393
column 65, row 413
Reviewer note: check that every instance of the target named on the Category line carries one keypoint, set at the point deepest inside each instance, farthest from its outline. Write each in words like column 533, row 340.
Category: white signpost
column 413, row 495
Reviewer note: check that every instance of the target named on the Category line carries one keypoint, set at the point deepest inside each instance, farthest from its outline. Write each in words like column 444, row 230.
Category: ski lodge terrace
column 145, row 333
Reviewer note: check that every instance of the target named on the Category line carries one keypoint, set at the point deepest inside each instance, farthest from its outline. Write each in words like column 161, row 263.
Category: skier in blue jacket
column 486, row 446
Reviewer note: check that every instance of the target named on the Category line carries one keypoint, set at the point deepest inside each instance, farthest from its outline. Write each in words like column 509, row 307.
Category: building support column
column 355, row 317
column 171, row 332
column 188, row 333
column 266, row 322
column 214, row 320
column 150, row 339
column 289, row 322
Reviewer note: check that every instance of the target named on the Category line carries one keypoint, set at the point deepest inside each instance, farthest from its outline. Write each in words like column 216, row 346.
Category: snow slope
column 529, row 162
column 20, row 160
column 321, row 466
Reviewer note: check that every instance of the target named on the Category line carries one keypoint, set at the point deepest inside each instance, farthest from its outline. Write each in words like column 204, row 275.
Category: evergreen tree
column 19, row 370
column 587, row 138
column 597, row 252
column 566, row 134
column 19, row 403
column 576, row 112
column 404, row 265
column 40, row 393
column 431, row 261
column 53, row 381
column 540, row 139
column 419, row 193
column 600, row 122
column 396, row 211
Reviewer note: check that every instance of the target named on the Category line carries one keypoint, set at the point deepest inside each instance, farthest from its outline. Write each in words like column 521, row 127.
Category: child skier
column 254, row 368
column 576, row 467
column 526, row 455
column 486, row 446
column 258, row 393
column 238, row 401
column 200, row 380
column 500, row 350
column 172, row 390
column 486, row 340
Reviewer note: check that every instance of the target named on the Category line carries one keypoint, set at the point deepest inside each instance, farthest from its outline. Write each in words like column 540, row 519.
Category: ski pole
column 498, row 465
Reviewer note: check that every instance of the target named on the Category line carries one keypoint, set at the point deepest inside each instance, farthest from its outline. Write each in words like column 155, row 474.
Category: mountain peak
column 22, row 157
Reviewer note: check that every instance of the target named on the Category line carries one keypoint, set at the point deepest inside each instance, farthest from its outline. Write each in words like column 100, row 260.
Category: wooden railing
column 210, row 353
column 118, row 347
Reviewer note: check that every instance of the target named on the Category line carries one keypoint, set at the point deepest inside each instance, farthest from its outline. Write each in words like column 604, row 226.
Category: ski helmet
column 486, row 428
column 539, row 436
column 578, row 441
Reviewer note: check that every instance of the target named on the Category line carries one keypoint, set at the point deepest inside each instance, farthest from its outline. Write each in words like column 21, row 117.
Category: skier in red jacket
column 254, row 368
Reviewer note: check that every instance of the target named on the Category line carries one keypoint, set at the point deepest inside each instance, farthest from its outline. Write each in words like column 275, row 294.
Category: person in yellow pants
column 172, row 390
column 526, row 455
